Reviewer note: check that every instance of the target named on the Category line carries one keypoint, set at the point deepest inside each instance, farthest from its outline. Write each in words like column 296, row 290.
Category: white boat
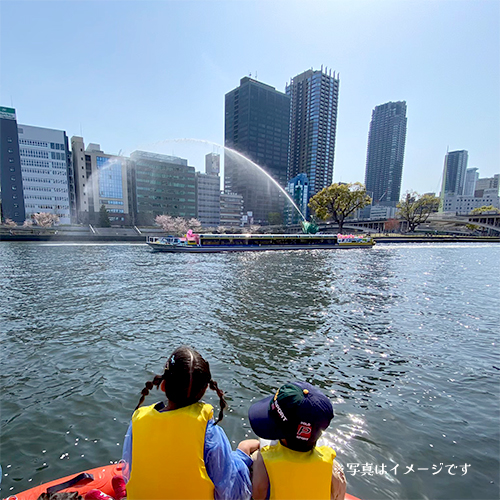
column 194, row 243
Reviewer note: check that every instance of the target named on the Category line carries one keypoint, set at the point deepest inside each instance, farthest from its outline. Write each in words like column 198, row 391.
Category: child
column 175, row 449
column 294, row 467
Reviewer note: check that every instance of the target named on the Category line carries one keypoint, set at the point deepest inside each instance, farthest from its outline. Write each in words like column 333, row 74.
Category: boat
column 198, row 243
column 98, row 478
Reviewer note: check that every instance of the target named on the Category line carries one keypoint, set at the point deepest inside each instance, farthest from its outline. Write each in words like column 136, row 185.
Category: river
column 403, row 338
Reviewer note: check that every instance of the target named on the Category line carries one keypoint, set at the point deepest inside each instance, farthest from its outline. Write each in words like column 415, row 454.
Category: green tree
column 275, row 218
column 338, row 201
column 483, row 209
column 415, row 209
column 104, row 217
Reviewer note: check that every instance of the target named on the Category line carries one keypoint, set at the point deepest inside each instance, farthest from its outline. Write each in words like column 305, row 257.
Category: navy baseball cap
column 298, row 412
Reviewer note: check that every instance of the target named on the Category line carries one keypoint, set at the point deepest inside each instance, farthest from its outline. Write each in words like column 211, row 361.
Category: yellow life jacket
column 167, row 454
column 295, row 475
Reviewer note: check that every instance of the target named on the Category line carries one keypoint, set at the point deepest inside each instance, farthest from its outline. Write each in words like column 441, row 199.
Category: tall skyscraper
column 385, row 153
column 313, row 125
column 454, row 171
column 256, row 125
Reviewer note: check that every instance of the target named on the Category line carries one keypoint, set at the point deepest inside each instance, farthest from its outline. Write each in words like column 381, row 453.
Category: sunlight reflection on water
column 402, row 338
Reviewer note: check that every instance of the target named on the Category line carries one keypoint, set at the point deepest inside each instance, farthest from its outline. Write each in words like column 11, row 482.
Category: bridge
column 436, row 222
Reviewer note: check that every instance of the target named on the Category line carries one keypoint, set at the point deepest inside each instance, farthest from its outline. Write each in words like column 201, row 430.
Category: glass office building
column 256, row 125
column 161, row 185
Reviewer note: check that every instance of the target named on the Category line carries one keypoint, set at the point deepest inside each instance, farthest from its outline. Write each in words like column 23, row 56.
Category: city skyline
column 109, row 78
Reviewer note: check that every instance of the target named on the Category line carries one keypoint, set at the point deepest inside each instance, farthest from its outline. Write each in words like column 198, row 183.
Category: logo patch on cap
column 275, row 406
column 304, row 431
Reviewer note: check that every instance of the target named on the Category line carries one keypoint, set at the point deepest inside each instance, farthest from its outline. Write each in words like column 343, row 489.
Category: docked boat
column 194, row 243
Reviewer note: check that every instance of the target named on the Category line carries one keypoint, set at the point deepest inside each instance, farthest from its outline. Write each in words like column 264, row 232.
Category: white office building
column 46, row 171
column 463, row 205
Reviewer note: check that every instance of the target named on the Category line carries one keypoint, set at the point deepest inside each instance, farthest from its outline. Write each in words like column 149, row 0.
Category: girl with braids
column 176, row 449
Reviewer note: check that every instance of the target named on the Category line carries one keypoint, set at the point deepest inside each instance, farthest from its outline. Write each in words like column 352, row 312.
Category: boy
column 294, row 467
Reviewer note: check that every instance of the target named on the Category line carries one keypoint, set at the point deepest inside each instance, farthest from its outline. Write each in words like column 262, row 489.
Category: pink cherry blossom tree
column 44, row 219
column 177, row 225
column 9, row 223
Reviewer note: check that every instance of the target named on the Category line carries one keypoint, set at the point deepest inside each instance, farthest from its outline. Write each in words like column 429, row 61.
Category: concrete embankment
column 79, row 234
column 436, row 239
column 139, row 235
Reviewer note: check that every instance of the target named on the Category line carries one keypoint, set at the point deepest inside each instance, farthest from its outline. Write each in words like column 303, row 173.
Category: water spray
column 238, row 154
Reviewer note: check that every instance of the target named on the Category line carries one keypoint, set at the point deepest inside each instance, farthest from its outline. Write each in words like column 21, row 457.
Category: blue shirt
column 227, row 469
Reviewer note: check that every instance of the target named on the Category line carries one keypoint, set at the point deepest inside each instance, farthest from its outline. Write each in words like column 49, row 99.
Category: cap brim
column 261, row 421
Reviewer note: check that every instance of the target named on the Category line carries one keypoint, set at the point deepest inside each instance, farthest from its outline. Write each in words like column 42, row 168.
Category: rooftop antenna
column 256, row 75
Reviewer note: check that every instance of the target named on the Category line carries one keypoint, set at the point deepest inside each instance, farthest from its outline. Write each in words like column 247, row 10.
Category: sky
column 150, row 75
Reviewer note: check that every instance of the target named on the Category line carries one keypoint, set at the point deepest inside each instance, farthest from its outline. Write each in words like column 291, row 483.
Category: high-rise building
column 256, row 125
column 208, row 192
column 471, row 177
column 385, row 153
column 454, row 170
column 313, row 125
column 161, row 185
column 11, row 180
column 47, row 172
column 100, row 179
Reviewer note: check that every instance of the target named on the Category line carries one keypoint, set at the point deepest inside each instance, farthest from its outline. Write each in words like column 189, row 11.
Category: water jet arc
column 237, row 153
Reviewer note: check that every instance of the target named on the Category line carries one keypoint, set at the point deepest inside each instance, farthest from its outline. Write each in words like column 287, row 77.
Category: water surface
column 403, row 338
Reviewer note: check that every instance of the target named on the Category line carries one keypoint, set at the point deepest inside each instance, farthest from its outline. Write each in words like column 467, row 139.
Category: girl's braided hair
column 187, row 376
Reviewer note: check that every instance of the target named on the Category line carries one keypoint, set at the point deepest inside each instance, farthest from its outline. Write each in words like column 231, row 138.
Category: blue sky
column 132, row 75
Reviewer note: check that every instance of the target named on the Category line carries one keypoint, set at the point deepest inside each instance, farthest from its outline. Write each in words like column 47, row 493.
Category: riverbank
column 75, row 234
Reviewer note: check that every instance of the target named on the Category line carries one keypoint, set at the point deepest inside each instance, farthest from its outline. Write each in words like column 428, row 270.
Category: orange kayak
column 98, row 479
